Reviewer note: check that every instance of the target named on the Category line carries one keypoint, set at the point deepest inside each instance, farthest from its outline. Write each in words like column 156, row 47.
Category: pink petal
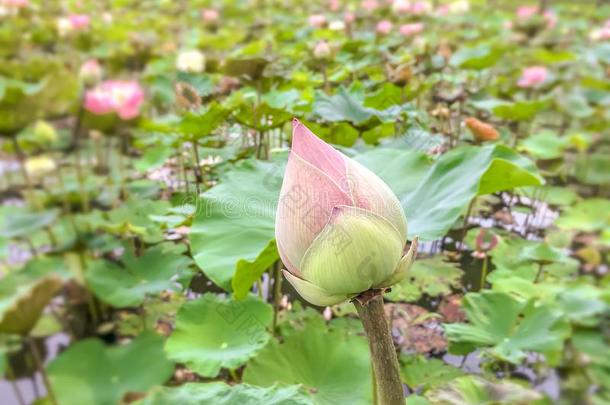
column 306, row 201
column 318, row 153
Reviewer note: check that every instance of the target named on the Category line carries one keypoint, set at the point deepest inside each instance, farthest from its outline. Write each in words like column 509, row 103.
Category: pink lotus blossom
column 600, row 34
column 317, row 20
column 332, row 209
column 210, row 15
column 420, row 7
column 533, row 76
column 384, row 27
column 79, row 21
column 15, row 3
column 527, row 12
column 349, row 17
column 401, row 6
column 334, row 5
column 369, row 5
column 411, row 29
column 115, row 96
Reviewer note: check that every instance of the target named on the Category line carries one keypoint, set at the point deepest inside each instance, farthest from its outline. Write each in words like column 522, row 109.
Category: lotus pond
column 175, row 227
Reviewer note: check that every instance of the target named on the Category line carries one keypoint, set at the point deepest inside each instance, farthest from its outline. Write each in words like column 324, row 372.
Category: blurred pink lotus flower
column 527, row 12
column 384, row 27
column 115, row 96
column 601, row 34
column 411, row 29
column 79, row 21
column 401, row 6
column 90, row 72
column 317, row 20
column 322, row 50
column 369, row 5
column 349, row 17
column 15, row 3
column 334, row 5
column 339, row 228
column 210, row 15
column 420, row 7
column 533, row 76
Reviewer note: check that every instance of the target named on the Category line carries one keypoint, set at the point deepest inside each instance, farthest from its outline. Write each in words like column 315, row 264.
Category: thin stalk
column 466, row 217
column 40, row 366
column 277, row 293
column 259, row 288
column 484, row 272
column 539, row 272
column 383, row 353
column 13, row 381
column 198, row 178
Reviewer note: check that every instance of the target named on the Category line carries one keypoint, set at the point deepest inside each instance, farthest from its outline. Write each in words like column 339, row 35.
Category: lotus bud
column 210, row 16
column 322, row 50
column 481, row 130
column 533, row 76
column 90, row 72
column 339, row 228
column 44, row 132
column 191, row 61
column 317, row 20
column 39, row 166
column 384, row 27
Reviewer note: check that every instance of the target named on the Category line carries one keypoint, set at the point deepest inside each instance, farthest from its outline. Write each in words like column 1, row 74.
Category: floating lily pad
column 127, row 284
column 332, row 367
column 23, row 224
column 25, row 293
column 418, row 371
column 474, row 390
column 587, row 216
column 510, row 327
column 219, row 393
column 214, row 332
column 89, row 373
column 432, row 276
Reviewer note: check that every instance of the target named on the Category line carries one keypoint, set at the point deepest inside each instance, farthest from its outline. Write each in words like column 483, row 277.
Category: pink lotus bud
column 210, row 15
column 339, row 228
column 334, row 5
column 322, row 50
column 90, row 72
column 525, row 12
column 600, row 34
column 349, row 17
column 317, row 20
column 114, row 96
column 420, row 7
column 533, row 76
column 15, row 3
column 401, row 6
column 384, row 27
column 411, row 29
column 369, row 5
column 79, row 21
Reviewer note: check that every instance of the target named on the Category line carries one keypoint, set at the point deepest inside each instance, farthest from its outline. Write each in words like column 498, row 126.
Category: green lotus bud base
column 369, row 305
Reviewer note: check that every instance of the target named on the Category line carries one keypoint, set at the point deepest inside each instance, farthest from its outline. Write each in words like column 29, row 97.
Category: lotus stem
column 277, row 294
column 484, row 272
column 12, row 378
column 383, row 353
column 40, row 366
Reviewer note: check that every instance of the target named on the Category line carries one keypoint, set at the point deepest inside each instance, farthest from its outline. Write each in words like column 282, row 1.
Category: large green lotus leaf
column 213, row 332
column 593, row 168
column 586, row 216
column 26, row 292
column 196, row 126
column 219, row 393
column 22, row 223
column 510, row 327
column 89, row 373
column 418, row 371
column 432, row 276
column 402, row 170
column 456, row 178
column 127, row 284
column 345, row 106
column 545, row 145
column 474, row 390
column 236, row 220
column 513, row 111
column 247, row 272
column 332, row 366
column 479, row 57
